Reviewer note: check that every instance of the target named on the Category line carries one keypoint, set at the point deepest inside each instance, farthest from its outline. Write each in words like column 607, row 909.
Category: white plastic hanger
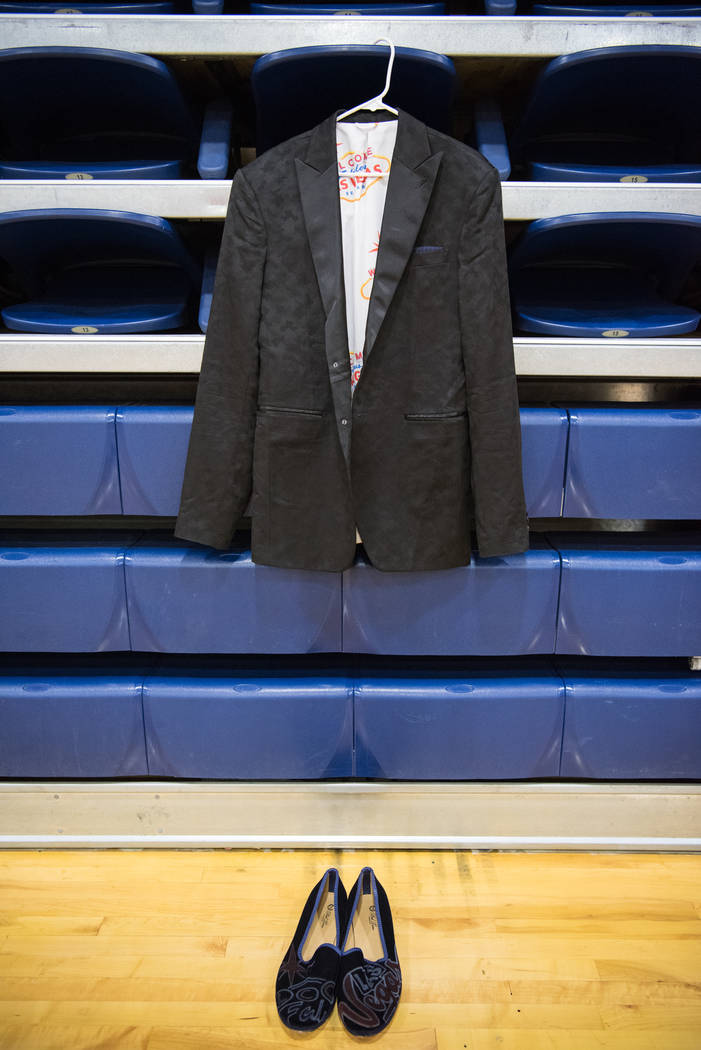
column 378, row 101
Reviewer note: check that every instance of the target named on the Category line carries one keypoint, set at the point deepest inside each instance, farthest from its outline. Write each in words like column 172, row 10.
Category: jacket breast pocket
column 428, row 255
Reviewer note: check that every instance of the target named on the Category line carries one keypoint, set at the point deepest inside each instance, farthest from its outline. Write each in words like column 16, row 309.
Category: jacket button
column 335, row 364
column 344, row 422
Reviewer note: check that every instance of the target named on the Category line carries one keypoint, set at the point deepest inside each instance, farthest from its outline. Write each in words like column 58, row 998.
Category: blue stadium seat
column 609, row 114
column 605, row 274
column 457, row 720
column 605, row 8
column 58, row 459
column 221, row 602
column 492, row 607
column 623, row 724
column 98, row 7
column 109, row 7
column 379, row 10
column 298, row 88
column 153, row 440
column 593, row 9
column 93, row 113
column 254, row 720
column 64, row 720
column 634, row 461
column 629, row 594
column 63, row 591
column 86, row 271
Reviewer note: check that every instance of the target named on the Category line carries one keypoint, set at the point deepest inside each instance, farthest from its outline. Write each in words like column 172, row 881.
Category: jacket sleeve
column 500, row 515
column 218, row 469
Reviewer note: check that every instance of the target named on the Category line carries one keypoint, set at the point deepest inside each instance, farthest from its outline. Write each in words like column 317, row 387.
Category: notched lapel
column 408, row 193
column 318, row 192
column 317, row 178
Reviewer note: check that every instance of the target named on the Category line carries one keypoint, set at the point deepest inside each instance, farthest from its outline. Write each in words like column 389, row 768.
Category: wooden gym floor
column 177, row 950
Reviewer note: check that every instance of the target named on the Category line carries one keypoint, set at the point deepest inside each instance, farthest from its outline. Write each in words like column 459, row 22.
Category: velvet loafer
column 369, row 977
column 305, row 989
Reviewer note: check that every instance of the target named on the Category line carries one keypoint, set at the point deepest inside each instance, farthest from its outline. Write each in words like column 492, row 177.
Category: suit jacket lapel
column 317, row 178
column 409, row 190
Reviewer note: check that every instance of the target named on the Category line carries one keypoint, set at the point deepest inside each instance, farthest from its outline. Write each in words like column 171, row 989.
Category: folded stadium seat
column 295, row 90
column 624, row 723
column 99, row 7
column 491, row 607
column 111, row 7
column 153, row 440
column 72, row 716
column 251, row 719
column 59, row 459
column 610, row 114
column 634, row 461
column 629, row 594
column 613, row 9
column 458, row 719
column 88, row 271
column 63, row 590
column 378, row 10
column 221, row 602
column 613, row 274
column 595, row 9
column 95, row 113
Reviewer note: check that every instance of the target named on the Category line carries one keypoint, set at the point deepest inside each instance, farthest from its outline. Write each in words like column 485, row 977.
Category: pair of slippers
column 343, row 951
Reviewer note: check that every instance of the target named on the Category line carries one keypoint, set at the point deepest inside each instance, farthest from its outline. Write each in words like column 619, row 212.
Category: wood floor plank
column 179, row 949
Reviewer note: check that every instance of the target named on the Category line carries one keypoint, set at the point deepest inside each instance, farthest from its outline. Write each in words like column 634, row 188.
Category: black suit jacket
column 430, row 442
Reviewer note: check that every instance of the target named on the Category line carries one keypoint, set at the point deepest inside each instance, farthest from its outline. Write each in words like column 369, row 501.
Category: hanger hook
column 384, row 40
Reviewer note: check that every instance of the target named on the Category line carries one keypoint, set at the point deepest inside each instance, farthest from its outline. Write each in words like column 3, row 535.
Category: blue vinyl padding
column 214, row 719
column 59, row 721
column 58, row 459
column 63, row 590
column 544, row 448
column 494, row 606
column 464, row 721
column 629, row 594
column 624, row 724
column 153, row 440
column 634, row 462
column 221, row 602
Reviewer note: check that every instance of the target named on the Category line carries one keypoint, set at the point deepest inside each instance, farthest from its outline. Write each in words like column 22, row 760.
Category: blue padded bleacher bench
column 59, row 720
column 63, row 590
column 458, row 720
column 59, row 459
column 494, row 606
column 629, row 594
column 544, row 432
column 188, row 598
column 630, row 724
column 153, row 440
column 634, row 462
column 264, row 720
